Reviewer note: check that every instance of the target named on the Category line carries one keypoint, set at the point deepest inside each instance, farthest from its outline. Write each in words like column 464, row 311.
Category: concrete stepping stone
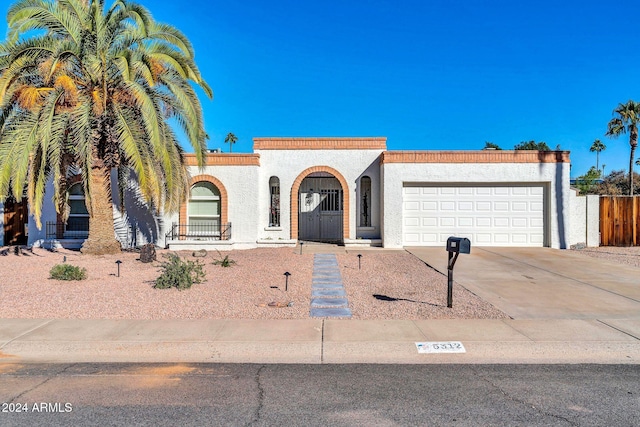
column 329, row 302
column 330, row 312
column 337, row 292
column 326, row 282
column 327, row 286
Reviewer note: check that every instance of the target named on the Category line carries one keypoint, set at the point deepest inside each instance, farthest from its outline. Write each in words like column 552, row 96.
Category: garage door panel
column 501, row 206
column 465, row 206
column 465, row 222
column 483, row 206
column 411, row 206
column 519, row 222
column 429, row 206
column 487, row 215
column 411, row 221
column 429, row 222
column 537, row 222
column 429, row 238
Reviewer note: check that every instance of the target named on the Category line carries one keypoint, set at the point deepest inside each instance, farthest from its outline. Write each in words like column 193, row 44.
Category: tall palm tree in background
column 230, row 139
column 626, row 119
column 597, row 147
column 88, row 87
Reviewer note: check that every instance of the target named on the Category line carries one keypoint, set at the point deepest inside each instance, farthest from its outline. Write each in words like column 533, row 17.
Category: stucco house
column 351, row 191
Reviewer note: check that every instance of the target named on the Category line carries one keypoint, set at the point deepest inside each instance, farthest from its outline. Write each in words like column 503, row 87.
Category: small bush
column 179, row 274
column 67, row 272
column 224, row 262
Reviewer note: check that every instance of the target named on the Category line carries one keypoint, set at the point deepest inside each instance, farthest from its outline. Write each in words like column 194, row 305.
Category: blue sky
column 428, row 75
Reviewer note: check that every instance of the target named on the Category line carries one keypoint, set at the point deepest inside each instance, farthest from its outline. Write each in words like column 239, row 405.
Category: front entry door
column 321, row 209
column 15, row 220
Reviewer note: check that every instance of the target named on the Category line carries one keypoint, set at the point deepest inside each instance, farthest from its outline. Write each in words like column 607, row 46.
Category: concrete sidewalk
column 315, row 341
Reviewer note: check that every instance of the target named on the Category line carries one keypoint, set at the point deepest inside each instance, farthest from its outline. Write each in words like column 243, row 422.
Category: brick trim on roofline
column 295, row 189
column 182, row 216
column 484, row 156
column 224, row 159
column 373, row 143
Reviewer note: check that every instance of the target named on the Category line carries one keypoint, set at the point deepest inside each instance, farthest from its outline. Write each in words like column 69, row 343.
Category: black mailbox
column 459, row 245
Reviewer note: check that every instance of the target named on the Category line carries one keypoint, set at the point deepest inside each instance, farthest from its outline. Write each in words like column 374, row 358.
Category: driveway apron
column 543, row 283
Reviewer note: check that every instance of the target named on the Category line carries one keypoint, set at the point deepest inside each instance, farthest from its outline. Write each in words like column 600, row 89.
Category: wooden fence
column 15, row 218
column 620, row 220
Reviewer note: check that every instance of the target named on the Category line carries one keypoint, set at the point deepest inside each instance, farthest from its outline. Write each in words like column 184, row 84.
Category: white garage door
column 487, row 215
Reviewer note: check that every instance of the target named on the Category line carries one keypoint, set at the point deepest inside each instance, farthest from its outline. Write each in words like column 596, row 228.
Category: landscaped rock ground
column 405, row 286
column 623, row 255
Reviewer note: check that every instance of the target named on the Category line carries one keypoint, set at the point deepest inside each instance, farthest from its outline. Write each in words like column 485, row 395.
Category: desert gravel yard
column 623, row 255
column 390, row 285
column 393, row 285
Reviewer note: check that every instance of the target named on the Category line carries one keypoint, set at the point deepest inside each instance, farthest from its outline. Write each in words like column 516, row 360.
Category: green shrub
column 179, row 274
column 224, row 262
column 67, row 272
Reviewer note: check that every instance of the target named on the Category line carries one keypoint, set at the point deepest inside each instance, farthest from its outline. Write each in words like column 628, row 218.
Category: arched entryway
column 320, row 206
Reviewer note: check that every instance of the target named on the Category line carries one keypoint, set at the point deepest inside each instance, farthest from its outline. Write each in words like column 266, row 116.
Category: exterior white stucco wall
column 137, row 225
column 48, row 215
column 242, row 186
column 287, row 165
column 585, row 219
column 555, row 176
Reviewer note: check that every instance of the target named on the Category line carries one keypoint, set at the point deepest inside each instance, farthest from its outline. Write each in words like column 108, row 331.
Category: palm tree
column 230, row 139
column 626, row 119
column 92, row 88
column 597, row 147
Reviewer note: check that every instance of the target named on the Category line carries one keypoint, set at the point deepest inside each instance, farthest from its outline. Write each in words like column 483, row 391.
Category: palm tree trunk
column 102, row 238
column 633, row 141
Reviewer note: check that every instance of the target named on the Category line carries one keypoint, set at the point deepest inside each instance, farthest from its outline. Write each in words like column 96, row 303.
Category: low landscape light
column 286, row 280
column 301, row 243
column 118, row 262
column 359, row 257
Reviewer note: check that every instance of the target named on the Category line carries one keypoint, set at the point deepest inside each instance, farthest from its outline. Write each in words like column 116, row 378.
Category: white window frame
column 214, row 218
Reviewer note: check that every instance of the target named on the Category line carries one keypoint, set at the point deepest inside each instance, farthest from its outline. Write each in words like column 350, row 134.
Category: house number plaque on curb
column 440, row 347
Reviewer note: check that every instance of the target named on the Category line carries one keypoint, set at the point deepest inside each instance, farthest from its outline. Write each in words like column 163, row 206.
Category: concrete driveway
column 543, row 283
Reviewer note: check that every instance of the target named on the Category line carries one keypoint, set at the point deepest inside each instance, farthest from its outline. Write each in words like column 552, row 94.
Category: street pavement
column 564, row 308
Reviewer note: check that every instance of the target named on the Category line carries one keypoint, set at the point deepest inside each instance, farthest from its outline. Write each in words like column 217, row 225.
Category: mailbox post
column 457, row 246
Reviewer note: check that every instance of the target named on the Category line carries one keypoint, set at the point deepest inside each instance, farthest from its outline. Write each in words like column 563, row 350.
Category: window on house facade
column 203, row 210
column 78, row 220
column 274, row 204
column 365, row 201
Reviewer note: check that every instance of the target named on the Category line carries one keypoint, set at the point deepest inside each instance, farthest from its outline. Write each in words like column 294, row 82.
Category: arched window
column 274, row 202
column 78, row 220
column 365, row 201
column 203, row 210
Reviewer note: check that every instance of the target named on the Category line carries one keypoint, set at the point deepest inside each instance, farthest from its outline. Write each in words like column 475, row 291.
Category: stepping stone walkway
column 328, row 298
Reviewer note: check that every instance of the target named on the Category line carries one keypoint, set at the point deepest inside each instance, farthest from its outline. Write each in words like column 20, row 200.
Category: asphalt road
column 318, row 395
